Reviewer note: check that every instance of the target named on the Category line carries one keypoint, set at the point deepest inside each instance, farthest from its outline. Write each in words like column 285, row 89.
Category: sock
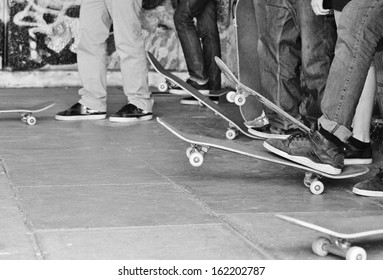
column 358, row 144
column 331, row 137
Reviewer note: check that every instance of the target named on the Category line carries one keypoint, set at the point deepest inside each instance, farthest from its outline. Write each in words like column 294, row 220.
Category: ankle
column 358, row 144
column 331, row 137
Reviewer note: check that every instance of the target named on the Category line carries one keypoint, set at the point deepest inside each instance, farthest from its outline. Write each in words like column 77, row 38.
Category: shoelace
column 297, row 136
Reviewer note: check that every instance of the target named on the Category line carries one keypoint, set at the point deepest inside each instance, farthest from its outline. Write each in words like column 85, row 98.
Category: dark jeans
column 359, row 32
column 199, row 58
column 296, row 51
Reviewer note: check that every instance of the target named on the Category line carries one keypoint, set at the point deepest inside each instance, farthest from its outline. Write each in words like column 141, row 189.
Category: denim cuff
column 338, row 130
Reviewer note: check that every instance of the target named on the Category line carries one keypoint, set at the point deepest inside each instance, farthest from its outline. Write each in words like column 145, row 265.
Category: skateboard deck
column 248, row 18
column 27, row 111
column 236, row 124
column 200, row 144
column 340, row 238
column 243, row 92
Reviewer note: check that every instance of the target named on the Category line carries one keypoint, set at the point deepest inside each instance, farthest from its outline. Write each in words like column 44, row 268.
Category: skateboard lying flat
column 26, row 112
column 242, row 92
column 235, row 121
column 340, row 244
column 248, row 20
column 200, row 144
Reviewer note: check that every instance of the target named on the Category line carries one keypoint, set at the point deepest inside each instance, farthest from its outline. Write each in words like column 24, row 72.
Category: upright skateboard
column 235, row 121
column 246, row 26
column 26, row 112
column 340, row 238
column 200, row 144
column 244, row 92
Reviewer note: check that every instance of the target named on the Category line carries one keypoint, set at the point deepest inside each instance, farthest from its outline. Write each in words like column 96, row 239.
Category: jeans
column 296, row 51
column 199, row 58
column 96, row 17
column 359, row 32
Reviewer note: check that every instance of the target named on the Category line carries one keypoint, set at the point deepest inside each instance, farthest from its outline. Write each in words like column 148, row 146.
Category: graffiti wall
column 43, row 34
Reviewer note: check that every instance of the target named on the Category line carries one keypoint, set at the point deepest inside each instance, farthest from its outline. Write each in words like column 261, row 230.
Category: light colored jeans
column 96, row 18
column 296, row 52
column 359, row 32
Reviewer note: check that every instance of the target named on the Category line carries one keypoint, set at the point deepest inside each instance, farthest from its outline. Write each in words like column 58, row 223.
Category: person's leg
column 189, row 37
column 208, row 32
column 359, row 147
column 94, row 29
column 318, row 35
column 131, row 50
column 279, row 50
column 95, row 24
column 359, row 32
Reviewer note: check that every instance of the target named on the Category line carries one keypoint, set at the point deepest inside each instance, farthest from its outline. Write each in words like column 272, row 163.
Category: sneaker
column 355, row 156
column 203, row 89
column 260, row 122
column 130, row 113
column 193, row 101
column 312, row 150
column 371, row 187
column 80, row 112
column 271, row 132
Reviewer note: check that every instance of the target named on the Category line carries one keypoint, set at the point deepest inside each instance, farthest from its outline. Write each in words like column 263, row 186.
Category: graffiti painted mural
column 43, row 34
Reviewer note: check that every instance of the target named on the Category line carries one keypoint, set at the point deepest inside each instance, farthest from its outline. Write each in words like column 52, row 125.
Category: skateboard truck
column 28, row 118
column 238, row 97
column 196, row 154
column 311, row 181
column 339, row 247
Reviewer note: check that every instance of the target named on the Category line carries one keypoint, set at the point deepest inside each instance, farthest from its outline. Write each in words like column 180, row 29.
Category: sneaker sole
column 357, row 161
column 80, row 118
column 130, row 120
column 325, row 168
column 366, row 192
column 195, row 102
column 267, row 135
column 183, row 92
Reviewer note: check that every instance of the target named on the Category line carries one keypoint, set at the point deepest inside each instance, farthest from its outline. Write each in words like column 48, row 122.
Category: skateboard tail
column 248, row 91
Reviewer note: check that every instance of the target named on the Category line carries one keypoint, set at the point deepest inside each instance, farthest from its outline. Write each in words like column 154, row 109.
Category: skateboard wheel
column 356, row 253
column 231, row 134
column 318, row 245
column 239, row 100
column 196, row 159
column 31, row 120
column 162, row 87
column 316, row 187
column 230, row 96
column 189, row 151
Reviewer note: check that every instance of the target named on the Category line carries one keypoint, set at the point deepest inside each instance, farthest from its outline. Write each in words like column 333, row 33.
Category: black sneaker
column 312, row 150
column 203, row 89
column 79, row 112
column 372, row 187
column 130, row 113
column 355, row 156
column 193, row 101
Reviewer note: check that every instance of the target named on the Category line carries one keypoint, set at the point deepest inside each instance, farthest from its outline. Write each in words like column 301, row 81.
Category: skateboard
column 248, row 19
column 235, row 121
column 27, row 111
column 243, row 92
column 340, row 243
column 200, row 144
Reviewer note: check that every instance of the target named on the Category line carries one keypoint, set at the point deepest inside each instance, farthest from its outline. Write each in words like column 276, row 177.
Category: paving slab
column 190, row 242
